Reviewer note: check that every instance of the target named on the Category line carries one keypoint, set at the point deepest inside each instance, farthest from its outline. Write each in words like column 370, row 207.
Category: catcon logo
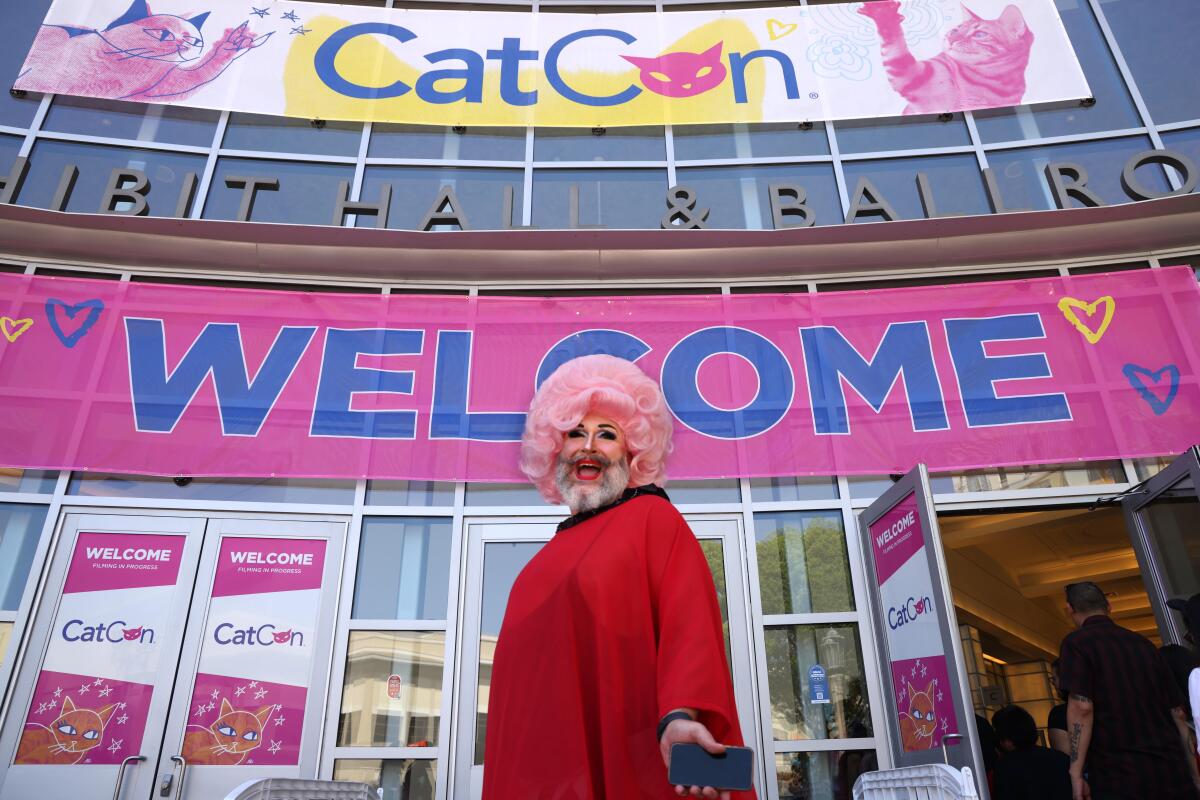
column 128, row 554
column 117, row 631
column 913, row 608
column 257, row 635
column 257, row 557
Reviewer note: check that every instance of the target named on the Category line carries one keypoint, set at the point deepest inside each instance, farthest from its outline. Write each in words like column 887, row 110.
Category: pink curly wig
column 605, row 385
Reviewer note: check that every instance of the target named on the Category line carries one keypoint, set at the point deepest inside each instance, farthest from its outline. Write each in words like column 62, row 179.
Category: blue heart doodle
column 1136, row 376
column 53, row 305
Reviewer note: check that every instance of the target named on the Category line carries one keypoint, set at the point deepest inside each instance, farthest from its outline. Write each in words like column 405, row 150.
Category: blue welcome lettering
column 160, row 397
column 341, row 379
column 450, row 418
column 904, row 350
column 977, row 372
column 597, row 341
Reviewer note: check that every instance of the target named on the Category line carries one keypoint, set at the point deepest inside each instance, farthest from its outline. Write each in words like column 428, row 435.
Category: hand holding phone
column 692, row 765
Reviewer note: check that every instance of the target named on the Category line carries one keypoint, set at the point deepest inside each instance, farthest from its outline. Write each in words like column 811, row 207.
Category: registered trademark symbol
column 812, row 95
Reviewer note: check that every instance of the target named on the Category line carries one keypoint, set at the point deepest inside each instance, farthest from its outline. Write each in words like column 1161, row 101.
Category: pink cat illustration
column 982, row 65
column 681, row 74
column 139, row 56
column 229, row 738
column 67, row 739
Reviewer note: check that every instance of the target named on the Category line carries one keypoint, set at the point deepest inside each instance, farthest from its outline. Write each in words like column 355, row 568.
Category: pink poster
column 92, row 697
column 921, row 680
column 174, row 380
column 248, row 701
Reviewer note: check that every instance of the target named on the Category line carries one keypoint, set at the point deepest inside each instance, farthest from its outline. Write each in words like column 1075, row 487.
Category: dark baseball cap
column 1190, row 608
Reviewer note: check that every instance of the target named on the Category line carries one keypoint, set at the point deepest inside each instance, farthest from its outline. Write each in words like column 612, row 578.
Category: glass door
column 1164, row 520
column 497, row 551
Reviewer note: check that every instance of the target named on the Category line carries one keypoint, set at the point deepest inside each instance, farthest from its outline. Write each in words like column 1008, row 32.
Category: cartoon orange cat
column 66, row 739
column 918, row 723
column 228, row 739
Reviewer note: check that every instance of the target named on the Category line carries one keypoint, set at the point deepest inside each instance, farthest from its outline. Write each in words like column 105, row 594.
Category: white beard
column 587, row 495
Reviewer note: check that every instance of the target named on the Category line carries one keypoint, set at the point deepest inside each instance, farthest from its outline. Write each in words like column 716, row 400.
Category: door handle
column 121, row 773
column 946, row 740
column 181, row 765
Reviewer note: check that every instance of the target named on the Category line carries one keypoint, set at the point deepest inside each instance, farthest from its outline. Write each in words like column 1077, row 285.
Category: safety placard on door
column 247, row 705
column 92, row 696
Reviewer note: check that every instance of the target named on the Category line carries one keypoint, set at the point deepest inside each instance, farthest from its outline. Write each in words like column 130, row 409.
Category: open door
column 1164, row 524
column 929, row 713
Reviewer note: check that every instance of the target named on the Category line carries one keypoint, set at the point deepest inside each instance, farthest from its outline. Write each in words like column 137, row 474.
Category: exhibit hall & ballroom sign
column 173, row 380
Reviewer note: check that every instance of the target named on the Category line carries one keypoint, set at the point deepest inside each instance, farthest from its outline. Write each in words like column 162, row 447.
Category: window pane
column 165, row 171
column 902, row 133
column 714, row 554
column 480, row 193
column 503, row 494
column 745, row 141
column 1039, row 476
column 955, row 184
column 1149, row 467
column 1022, row 179
column 1186, row 142
column 409, row 493
column 147, row 122
column 868, row 486
column 739, row 197
column 502, row 562
column 21, row 23
column 802, row 562
column 422, row 141
column 9, row 147
column 246, row 490
column 1156, row 40
column 307, row 193
column 393, row 779
column 615, row 144
column 6, row 629
column 20, row 528
column 821, row 776
column 370, row 715
column 792, row 650
column 613, row 198
column 34, row 481
column 721, row 491
column 290, row 135
column 1113, row 110
column 403, row 568
column 778, row 490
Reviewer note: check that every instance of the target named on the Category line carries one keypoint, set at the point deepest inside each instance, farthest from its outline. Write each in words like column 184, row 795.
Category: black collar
column 626, row 496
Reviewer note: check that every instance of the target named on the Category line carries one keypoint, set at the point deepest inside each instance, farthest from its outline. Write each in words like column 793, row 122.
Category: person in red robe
column 611, row 649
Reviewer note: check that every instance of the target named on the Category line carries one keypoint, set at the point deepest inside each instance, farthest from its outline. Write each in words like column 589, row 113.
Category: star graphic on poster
column 260, row 694
column 105, row 692
column 939, row 695
column 913, row 672
column 279, row 707
column 239, row 691
column 42, row 707
column 275, row 746
column 291, row 16
column 115, row 746
column 210, row 706
column 121, row 705
column 252, row 684
column 215, row 694
column 903, row 694
column 57, row 692
column 84, row 689
column 923, row 671
column 121, row 720
column 259, row 12
column 300, row 30
column 199, row 710
column 945, row 725
column 98, row 682
column 280, row 719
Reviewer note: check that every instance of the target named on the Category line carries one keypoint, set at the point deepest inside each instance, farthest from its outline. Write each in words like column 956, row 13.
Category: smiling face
column 593, row 465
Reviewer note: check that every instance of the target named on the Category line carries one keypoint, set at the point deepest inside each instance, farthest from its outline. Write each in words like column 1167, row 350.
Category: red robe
column 612, row 624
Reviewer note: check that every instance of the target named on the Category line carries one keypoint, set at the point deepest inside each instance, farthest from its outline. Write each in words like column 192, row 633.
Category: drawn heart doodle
column 54, row 306
column 1149, row 384
column 778, row 30
column 1068, row 306
column 13, row 328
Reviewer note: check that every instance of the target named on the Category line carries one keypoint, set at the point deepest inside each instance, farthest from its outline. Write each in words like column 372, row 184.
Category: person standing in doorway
column 1027, row 771
column 1125, row 717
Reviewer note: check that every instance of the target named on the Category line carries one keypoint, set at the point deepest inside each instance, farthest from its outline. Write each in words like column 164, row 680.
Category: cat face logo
column 116, row 632
column 256, row 636
column 681, row 74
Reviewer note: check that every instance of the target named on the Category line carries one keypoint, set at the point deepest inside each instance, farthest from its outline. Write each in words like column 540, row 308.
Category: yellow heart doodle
column 1067, row 306
column 778, row 30
column 13, row 328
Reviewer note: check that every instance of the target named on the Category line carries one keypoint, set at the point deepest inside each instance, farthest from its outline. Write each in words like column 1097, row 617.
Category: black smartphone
column 692, row 765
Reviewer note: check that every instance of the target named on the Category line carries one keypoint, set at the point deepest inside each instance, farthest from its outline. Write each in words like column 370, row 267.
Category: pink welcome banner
column 144, row 378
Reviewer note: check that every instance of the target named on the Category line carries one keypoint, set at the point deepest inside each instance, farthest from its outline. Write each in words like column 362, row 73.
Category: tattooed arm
column 1079, row 733
column 1185, row 736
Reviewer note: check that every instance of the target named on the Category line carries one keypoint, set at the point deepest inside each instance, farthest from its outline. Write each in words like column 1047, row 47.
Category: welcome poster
column 790, row 63
column 247, row 704
column 110, row 635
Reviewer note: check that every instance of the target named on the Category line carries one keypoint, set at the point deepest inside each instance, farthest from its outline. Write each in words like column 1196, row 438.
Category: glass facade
column 407, row 574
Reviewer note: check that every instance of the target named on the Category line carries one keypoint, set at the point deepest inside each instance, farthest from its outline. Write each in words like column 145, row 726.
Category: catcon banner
column 791, row 63
column 247, row 702
column 174, row 380
column 110, row 635
column 919, row 671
